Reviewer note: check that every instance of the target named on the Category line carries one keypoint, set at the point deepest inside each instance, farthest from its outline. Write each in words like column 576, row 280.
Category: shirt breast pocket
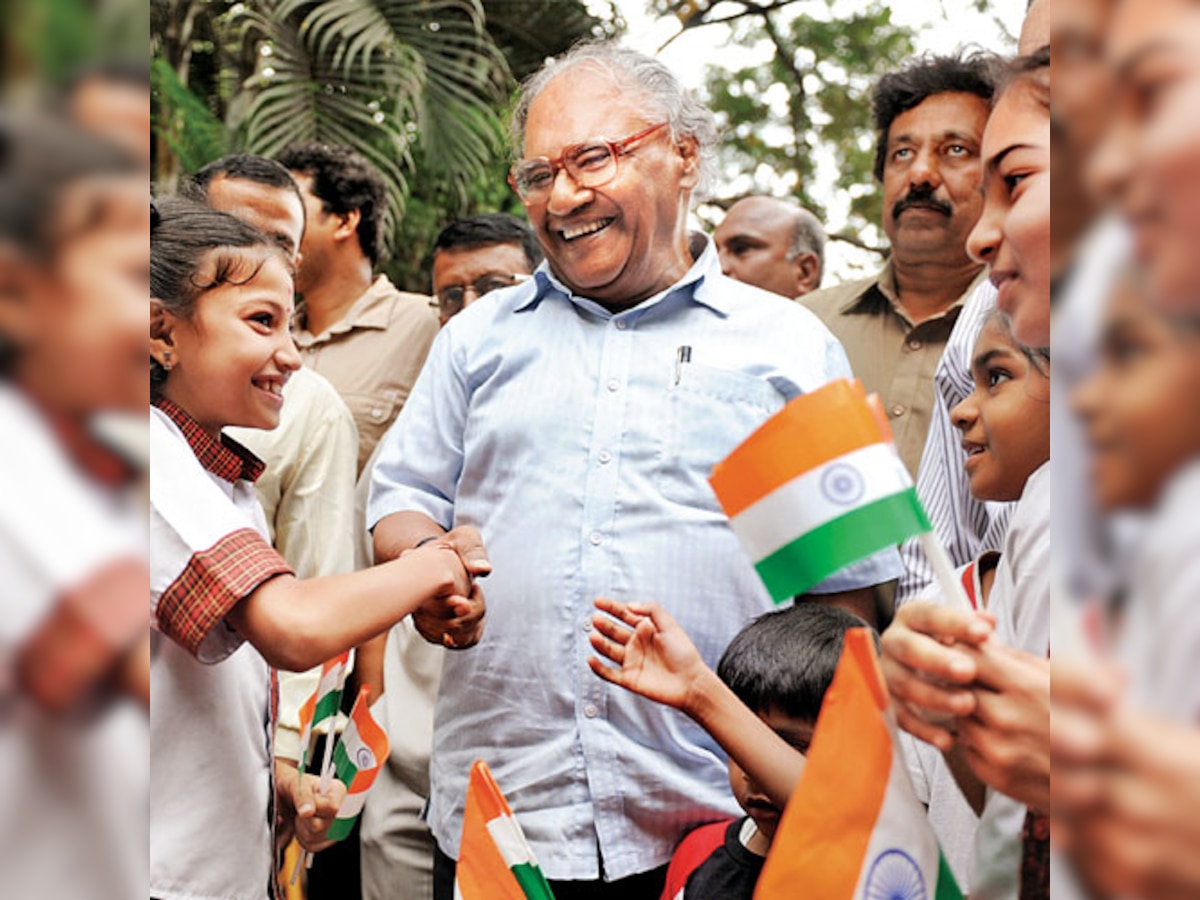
column 709, row 412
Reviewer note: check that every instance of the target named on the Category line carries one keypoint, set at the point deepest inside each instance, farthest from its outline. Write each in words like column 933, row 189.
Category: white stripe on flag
column 352, row 805
column 818, row 496
column 506, row 835
column 903, row 850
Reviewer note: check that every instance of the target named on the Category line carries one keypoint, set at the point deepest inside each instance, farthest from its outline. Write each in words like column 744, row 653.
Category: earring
column 167, row 361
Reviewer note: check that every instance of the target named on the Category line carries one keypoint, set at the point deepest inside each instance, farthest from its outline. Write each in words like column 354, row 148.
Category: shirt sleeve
column 421, row 457
column 205, row 554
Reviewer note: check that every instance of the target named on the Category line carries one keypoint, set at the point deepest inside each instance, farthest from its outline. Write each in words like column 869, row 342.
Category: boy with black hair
column 780, row 666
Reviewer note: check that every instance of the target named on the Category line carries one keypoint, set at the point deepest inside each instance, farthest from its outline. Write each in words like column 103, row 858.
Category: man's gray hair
column 667, row 100
column 808, row 236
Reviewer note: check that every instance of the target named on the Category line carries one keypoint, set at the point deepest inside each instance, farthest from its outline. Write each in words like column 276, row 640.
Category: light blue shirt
column 580, row 448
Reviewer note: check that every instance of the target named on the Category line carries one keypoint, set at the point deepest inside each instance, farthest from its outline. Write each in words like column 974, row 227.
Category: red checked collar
column 226, row 458
column 98, row 461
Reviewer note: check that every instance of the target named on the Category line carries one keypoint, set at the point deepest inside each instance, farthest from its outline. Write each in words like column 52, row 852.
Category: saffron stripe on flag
column 809, row 431
column 814, row 556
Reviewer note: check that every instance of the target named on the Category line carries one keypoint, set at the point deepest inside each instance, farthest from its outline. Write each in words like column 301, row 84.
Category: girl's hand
column 455, row 617
column 1006, row 739
column 302, row 805
column 654, row 657
column 926, row 674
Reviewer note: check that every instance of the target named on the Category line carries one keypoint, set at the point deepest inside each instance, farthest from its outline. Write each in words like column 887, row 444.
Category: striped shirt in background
column 965, row 526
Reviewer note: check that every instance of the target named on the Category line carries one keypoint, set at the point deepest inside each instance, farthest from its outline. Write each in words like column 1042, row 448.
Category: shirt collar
column 227, row 459
column 696, row 283
column 886, row 292
column 97, row 460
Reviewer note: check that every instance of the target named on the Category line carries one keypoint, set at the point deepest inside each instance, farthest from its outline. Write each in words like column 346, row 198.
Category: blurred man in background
column 772, row 244
column 355, row 328
column 475, row 256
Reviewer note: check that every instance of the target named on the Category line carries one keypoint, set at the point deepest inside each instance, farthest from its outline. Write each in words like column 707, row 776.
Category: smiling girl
column 1013, row 234
column 225, row 605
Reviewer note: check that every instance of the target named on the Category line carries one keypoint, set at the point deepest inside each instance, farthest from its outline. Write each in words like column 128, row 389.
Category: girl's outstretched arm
column 299, row 624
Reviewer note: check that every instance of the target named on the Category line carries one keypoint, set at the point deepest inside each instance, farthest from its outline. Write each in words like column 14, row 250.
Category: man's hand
column 304, row 808
column 655, row 657
column 456, row 621
column 927, row 675
column 1006, row 740
column 468, row 544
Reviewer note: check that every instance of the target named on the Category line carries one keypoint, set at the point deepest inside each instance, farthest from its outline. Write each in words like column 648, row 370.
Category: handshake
column 454, row 618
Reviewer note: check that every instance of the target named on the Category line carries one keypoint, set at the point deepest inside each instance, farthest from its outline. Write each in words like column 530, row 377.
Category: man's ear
column 808, row 273
column 347, row 225
column 162, row 334
column 689, row 152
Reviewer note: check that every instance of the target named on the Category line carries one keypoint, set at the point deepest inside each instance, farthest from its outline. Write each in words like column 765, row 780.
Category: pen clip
column 682, row 355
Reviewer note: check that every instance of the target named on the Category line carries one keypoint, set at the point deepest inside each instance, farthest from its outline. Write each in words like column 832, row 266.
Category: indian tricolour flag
column 494, row 860
column 817, row 487
column 361, row 750
column 324, row 702
column 854, row 829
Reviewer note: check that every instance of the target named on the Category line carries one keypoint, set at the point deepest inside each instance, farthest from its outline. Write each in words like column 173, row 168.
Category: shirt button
column 377, row 414
column 898, row 410
column 590, row 711
column 914, row 344
column 605, row 457
column 596, row 538
column 586, row 625
column 622, row 324
column 613, row 384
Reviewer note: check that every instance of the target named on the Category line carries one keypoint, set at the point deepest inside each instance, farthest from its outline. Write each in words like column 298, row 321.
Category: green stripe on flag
column 532, row 882
column 947, row 887
column 339, row 829
column 327, row 706
column 817, row 554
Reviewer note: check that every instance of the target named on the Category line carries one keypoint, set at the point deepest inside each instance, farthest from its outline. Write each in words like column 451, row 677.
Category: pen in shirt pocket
column 682, row 355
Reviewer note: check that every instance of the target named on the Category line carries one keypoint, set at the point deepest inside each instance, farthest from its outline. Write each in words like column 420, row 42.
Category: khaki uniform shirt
column 373, row 356
column 891, row 356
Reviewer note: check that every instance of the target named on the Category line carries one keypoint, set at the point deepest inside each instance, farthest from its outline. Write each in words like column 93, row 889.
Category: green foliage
column 827, row 66
column 61, row 37
column 385, row 77
column 189, row 128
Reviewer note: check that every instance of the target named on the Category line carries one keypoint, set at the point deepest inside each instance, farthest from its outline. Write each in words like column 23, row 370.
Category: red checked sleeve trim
column 213, row 582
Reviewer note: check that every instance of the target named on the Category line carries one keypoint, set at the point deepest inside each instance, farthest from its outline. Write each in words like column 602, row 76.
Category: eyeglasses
column 591, row 164
column 451, row 297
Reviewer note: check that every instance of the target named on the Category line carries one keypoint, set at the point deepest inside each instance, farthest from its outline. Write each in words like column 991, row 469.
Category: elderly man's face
column 626, row 240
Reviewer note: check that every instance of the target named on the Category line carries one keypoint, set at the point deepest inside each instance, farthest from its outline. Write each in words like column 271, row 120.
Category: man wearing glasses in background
column 476, row 256
column 574, row 419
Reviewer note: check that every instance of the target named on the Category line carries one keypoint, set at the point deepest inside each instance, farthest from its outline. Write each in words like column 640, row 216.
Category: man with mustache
column 930, row 117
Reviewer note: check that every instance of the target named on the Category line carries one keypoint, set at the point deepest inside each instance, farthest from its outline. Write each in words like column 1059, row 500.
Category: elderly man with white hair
column 574, row 420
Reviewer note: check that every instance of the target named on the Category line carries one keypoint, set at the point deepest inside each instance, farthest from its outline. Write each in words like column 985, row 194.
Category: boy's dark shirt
column 729, row 873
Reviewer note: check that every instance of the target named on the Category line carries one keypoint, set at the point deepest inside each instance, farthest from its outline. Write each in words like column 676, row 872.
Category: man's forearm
column 402, row 531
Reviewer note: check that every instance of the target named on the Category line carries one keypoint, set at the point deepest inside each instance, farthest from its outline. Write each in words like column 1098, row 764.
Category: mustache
column 921, row 199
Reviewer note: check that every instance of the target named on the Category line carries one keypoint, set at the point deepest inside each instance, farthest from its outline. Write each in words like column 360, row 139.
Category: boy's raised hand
column 653, row 655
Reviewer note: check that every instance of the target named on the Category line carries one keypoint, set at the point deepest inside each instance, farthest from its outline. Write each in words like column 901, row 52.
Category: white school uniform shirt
column 1020, row 600
column 1159, row 641
column 73, row 825
column 211, row 774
